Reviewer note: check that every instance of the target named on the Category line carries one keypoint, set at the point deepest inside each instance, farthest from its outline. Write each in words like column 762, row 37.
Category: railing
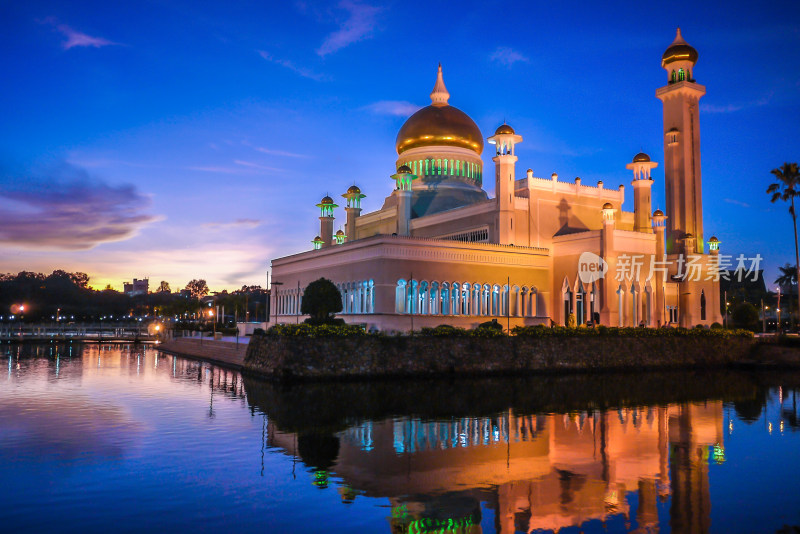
column 71, row 331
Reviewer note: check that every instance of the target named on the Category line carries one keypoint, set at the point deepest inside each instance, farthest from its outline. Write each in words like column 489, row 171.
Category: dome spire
column 439, row 95
column 679, row 37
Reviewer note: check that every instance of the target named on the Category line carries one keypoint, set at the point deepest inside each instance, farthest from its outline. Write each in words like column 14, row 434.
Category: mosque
column 542, row 251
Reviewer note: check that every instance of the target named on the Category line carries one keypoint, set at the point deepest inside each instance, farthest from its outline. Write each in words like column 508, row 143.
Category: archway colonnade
column 423, row 297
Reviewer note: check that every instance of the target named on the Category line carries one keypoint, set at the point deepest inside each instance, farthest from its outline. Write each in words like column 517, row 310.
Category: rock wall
column 290, row 357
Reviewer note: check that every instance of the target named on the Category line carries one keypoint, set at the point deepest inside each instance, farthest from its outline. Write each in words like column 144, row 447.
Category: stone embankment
column 220, row 353
column 295, row 357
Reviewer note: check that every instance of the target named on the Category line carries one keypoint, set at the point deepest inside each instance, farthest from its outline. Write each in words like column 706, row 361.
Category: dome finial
column 678, row 37
column 439, row 95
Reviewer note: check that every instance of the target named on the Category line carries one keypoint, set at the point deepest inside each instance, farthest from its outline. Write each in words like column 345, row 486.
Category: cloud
column 65, row 208
column 256, row 166
column 737, row 202
column 732, row 108
column 400, row 108
column 358, row 25
column 507, row 56
column 273, row 152
column 238, row 223
column 241, row 168
column 76, row 38
column 302, row 71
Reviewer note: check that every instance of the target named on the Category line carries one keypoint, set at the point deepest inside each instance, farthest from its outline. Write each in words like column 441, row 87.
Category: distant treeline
column 36, row 297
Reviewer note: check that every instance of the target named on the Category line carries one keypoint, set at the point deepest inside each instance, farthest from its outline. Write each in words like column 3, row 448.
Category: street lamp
column 274, row 311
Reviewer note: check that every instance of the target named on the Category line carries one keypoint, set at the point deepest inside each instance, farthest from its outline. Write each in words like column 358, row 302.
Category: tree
column 745, row 315
column 786, row 188
column 321, row 300
column 164, row 287
column 788, row 276
column 197, row 288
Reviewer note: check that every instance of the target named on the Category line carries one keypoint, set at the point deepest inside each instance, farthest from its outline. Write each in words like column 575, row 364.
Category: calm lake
column 117, row 438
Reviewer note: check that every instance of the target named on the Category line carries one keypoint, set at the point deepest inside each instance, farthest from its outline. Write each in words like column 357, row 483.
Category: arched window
column 681, row 75
column 672, row 77
column 567, row 305
column 400, row 296
column 702, row 305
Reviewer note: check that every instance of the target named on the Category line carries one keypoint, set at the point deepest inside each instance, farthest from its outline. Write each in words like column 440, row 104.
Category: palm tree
column 786, row 187
column 788, row 276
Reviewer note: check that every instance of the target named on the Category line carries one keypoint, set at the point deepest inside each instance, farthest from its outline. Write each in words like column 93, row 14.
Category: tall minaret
column 682, row 146
column 504, row 164
column 642, row 183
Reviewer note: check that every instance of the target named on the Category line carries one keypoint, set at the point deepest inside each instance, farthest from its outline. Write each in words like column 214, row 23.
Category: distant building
column 137, row 287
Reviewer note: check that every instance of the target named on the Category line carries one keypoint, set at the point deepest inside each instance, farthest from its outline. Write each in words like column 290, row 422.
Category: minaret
column 504, row 139
column 353, row 209
column 404, row 179
column 642, row 183
column 659, row 223
column 326, row 207
column 609, row 310
column 682, row 146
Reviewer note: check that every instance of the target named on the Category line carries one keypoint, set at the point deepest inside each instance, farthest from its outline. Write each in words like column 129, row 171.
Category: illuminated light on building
column 441, row 251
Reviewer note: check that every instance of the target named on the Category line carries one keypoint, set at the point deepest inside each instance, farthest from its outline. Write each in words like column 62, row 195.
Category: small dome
column 504, row 129
column 679, row 50
column 658, row 213
column 339, row 232
column 713, row 239
column 317, row 239
column 404, row 169
column 353, row 190
column 689, row 236
column 608, row 206
column 326, row 200
column 641, row 157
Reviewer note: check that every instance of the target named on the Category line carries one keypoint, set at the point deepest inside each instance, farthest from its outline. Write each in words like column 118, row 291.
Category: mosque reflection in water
column 536, row 472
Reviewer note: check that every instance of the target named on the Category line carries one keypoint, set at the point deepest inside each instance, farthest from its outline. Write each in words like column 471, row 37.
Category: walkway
column 224, row 353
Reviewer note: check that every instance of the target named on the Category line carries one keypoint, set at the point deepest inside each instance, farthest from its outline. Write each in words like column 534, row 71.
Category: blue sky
column 192, row 139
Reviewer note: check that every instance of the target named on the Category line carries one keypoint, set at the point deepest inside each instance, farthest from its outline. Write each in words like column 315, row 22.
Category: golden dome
column 404, row 169
column 326, row 200
column 608, row 206
column 504, row 129
column 439, row 124
column 340, row 232
column 641, row 157
column 679, row 50
column 713, row 239
column 658, row 213
column 353, row 190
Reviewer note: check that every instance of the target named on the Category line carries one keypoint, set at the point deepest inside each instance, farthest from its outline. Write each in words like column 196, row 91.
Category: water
column 127, row 439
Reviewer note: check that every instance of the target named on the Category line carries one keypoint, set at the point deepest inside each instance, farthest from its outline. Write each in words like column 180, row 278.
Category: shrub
column 610, row 331
column 571, row 320
column 444, row 330
column 745, row 315
column 716, row 326
column 323, row 330
column 321, row 300
column 491, row 324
